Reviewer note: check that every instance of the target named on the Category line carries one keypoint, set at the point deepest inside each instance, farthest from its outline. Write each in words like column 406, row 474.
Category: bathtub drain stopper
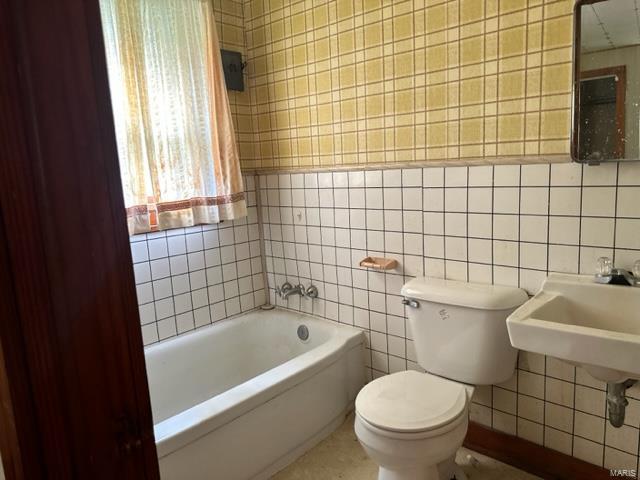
column 303, row 333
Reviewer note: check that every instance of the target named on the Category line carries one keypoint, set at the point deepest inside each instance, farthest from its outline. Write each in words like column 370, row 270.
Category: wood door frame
column 74, row 400
column 620, row 73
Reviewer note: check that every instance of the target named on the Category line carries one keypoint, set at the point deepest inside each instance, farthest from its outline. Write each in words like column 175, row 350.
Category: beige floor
column 340, row 456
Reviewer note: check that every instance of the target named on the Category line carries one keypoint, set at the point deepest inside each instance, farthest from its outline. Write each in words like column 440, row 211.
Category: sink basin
column 584, row 323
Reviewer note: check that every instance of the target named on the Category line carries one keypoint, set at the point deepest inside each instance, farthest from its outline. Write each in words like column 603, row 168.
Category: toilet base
column 429, row 473
column 414, row 456
column 447, row 470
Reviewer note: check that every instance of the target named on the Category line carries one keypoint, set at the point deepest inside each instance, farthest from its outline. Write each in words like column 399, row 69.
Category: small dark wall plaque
column 233, row 66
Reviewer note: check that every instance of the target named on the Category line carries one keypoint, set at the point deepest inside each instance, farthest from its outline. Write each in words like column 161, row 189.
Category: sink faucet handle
column 604, row 267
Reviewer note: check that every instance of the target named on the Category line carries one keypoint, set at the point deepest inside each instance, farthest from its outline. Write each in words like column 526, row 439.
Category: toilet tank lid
column 464, row 294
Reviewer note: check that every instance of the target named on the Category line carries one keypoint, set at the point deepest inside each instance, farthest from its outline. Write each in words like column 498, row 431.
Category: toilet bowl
column 411, row 424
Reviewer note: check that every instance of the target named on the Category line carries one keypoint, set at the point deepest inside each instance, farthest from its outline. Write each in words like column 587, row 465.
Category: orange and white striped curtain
column 178, row 155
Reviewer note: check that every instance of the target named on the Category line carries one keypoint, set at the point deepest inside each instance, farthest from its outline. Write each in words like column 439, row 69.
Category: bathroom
column 405, row 185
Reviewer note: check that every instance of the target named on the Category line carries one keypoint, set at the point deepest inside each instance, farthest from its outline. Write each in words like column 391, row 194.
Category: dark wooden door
column 74, row 400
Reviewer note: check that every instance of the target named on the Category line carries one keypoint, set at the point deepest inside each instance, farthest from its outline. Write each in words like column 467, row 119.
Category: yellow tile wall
column 369, row 81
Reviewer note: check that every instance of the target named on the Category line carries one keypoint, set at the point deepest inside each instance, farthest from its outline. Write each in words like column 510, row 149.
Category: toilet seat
column 411, row 402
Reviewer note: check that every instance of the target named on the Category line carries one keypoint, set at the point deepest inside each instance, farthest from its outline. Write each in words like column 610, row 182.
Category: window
column 176, row 144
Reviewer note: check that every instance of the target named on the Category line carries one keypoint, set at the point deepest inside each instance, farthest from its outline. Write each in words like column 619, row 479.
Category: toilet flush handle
column 410, row 303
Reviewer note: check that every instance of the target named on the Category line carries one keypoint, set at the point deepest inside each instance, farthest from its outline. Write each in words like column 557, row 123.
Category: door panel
column 70, row 337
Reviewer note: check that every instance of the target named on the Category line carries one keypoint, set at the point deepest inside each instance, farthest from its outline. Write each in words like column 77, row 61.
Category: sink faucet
column 287, row 289
column 608, row 274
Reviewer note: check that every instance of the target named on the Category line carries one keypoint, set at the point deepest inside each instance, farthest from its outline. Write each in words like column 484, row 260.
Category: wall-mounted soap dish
column 379, row 263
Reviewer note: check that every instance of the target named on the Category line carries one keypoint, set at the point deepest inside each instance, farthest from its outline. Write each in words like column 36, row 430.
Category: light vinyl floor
column 340, row 456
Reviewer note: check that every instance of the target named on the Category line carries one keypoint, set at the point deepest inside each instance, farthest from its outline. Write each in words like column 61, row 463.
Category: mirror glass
column 607, row 81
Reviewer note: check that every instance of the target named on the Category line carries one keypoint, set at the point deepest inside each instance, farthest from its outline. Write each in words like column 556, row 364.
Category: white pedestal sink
column 584, row 323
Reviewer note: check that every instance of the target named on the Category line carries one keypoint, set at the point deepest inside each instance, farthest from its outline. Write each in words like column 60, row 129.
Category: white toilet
column 411, row 424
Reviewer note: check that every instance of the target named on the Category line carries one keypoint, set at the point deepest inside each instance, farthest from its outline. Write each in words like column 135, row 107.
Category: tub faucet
column 287, row 289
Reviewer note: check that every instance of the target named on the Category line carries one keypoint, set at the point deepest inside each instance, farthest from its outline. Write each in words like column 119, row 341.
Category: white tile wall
column 191, row 277
column 507, row 225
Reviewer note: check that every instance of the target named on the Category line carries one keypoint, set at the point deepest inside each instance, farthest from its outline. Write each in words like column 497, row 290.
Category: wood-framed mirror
column 606, row 81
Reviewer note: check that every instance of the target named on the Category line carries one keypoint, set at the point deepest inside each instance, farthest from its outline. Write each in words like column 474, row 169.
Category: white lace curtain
column 178, row 156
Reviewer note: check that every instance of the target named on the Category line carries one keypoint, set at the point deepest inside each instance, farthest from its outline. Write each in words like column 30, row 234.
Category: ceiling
column 610, row 24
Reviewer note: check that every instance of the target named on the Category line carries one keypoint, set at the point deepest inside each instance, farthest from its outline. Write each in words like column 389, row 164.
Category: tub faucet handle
column 283, row 290
column 311, row 292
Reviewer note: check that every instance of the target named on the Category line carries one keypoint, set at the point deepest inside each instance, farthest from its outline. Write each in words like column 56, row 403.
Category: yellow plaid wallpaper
column 369, row 81
column 230, row 23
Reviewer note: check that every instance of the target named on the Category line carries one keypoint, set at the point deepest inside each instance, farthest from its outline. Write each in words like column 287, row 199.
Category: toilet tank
column 459, row 329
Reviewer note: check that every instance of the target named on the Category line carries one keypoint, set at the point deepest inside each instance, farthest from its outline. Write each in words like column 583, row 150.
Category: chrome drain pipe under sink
column 617, row 401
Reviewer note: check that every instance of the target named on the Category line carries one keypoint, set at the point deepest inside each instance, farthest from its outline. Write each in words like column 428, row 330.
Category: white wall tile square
column 356, row 179
column 480, row 200
column 629, row 173
column 455, row 199
column 566, row 174
column 605, row 174
column 393, row 178
column 534, row 200
column 139, row 251
column 157, row 248
column 628, row 233
column 628, row 202
column 412, row 221
column 534, row 228
column 506, row 176
column 411, row 177
column 455, row 224
column 433, row 177
column 480, row 251
column 392, row 198
column 533, row 256
column 590, row 427
column 535, row 175
column 506, row 200
column 412, row 198
column 455, row 177
column 563, row 258
column 565, row 200
column 599, row 201
column 597, row 232
column 506, row 227
column 340, row 179
column 356, row 198
column 144, row 292
column 373, row 198
column 479, row 225
column 564, row 230
column 481, row 176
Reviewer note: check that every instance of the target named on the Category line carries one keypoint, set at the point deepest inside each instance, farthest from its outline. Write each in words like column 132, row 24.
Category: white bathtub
column 243, row 398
